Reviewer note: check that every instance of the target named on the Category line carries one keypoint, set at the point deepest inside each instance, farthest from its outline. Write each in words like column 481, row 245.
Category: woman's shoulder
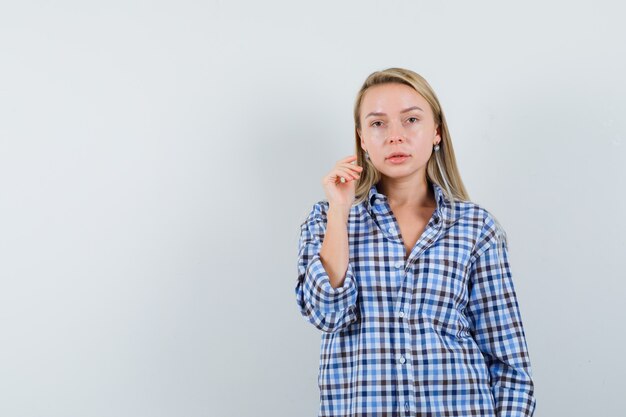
column 318, row 212
column 468, row 208
column 318, row 209
column 315, row 214
column 488, row 227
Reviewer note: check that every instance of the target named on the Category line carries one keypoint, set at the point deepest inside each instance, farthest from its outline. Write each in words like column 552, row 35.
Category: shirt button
column 402, row 360
column 406, row 406
column 391, row 230
column 401, row 314
column 377, row 201
column 399, row 264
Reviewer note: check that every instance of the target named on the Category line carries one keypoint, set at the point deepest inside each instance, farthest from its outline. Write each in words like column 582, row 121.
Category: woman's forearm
column 335, row 252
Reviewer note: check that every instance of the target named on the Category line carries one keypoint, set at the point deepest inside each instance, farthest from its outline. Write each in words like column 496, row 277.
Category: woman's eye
column 413, row 118
column 374, row 124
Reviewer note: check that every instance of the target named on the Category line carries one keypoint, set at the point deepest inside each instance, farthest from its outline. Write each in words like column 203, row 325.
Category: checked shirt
column 436, row 334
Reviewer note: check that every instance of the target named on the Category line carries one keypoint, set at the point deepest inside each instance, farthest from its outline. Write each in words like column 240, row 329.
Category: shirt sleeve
column 496, row 325
column 327, row 308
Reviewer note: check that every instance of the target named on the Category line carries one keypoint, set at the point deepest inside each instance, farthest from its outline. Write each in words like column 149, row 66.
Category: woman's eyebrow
column 384, row 114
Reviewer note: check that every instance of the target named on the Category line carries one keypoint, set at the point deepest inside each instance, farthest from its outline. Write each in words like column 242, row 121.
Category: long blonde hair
column 441, row 168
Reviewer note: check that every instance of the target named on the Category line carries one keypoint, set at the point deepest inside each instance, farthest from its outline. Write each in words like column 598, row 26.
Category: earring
column 436, row 147
column 367, row 156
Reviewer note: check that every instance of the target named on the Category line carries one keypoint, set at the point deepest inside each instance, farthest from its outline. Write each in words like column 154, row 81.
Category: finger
column 351, row 172
column 346, row 173
column 344, row 180
column 355, row 168
column 340, row 178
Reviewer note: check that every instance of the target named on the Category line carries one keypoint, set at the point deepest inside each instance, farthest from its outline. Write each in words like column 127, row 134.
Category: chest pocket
column 440, row 291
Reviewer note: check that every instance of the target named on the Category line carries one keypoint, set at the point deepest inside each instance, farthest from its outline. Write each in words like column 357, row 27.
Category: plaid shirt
column 437, row 334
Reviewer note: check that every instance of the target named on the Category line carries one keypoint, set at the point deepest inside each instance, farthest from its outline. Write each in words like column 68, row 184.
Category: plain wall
column 157, row 159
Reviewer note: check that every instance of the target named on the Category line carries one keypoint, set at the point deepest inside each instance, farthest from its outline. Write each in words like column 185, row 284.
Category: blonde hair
column 441, row 168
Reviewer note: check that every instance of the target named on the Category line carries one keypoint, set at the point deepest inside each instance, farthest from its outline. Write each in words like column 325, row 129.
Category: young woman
column 408, row 280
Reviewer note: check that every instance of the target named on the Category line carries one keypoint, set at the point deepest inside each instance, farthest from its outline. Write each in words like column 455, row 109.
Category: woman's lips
column 398, row 159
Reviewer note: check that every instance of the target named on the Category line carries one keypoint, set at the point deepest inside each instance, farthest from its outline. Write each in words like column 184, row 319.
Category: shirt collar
column 443, row 203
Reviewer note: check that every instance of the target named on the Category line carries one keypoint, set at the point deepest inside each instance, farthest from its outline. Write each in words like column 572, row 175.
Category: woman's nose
column 395, row 133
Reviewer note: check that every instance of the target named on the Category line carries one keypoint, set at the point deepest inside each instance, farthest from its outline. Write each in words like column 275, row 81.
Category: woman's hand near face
column 335, row 251
column 341, row 194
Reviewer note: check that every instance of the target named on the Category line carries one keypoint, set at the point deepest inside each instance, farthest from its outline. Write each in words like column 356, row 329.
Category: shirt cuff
column 322, row 295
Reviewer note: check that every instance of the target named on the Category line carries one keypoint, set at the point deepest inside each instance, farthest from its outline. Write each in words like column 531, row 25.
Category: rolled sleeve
column 496, row 326
column 327, row 308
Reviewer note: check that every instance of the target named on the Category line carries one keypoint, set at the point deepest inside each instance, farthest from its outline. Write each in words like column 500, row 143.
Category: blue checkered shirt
column 437, row 334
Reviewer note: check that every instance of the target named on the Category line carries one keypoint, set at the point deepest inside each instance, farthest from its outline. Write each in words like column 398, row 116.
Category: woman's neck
column 407, row 194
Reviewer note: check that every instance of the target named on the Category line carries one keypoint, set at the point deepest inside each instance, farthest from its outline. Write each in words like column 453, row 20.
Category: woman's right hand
column 341, row 194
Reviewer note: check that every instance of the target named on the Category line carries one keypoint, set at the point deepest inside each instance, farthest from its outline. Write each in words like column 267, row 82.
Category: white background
column 157, row 159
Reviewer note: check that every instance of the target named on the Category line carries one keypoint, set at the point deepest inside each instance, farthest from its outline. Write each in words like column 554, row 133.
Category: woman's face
column 396, row 118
